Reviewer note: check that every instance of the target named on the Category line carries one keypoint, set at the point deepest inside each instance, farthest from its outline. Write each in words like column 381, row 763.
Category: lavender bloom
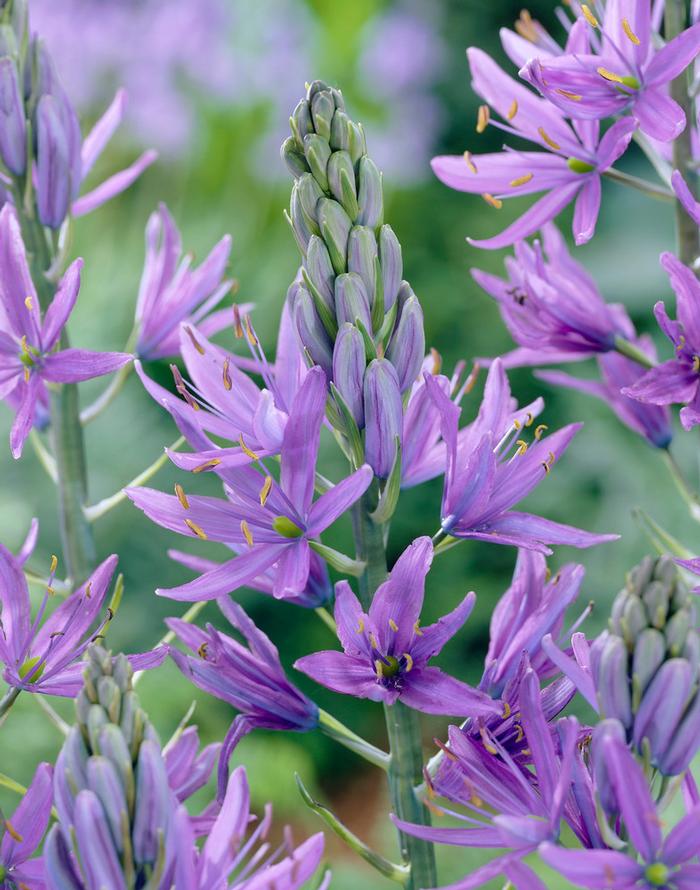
column 676, row 380
column 665, row 862
column 42, row 655
column 28, row 360
column 626, row 72
column 570, row 168
column 383, row 416
column 386, row 652
column 172, row 291
column 551, row 305
column 685, row 196
column 249, row 678
column 619, row 373
column 482, row 486
column 22, row 833
column 277, row 520
column 523, row 811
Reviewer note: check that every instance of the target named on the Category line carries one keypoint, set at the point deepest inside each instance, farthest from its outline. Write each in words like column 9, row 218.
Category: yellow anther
column 588, row 15
column 476, row 800
column 27, row 375
column 393, row 625
column 373, row 641
column 51, row 590
column 526, row 752
column 265, row 490
column 14, row 834
column 630, row 33
column 609, row 75
column 28, row 302
column 408, row 660
column 482, row 118
column 195, row 342
column 227, row 377
column 548, row 139
column 696, row 363
column 379, row 667
column 237, row 326
column 485, row 740
column 202, row 651
column 193, row 527
column 547, row 573
column 547, row 464
column 681, row 342
column 522, row 446
column 361, row 626
column 23, row 345
column 54, row 563
column 539, row 430
column 575, row 97
column 88, row 590
column 529, row 417
column 525, row 28
column 207, row 465
column 513, row 110
column 435, row 810
column 247, row 534
column 516, row 424
column 469, row 162
column 522, row 180
column 437, row 361
column 252, row 339
column 506, row 710
column 473, row 376
column 181, row 496
column 557, row 578
column 244, row 448
column 416, row 630
column 494, row 202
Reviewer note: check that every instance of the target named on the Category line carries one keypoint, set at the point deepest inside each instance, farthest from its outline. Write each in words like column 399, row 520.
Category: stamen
column 192, row 526
column 181, row 496
column 244, row 448
column 373, row 641
column 494, row 202
column 588, row 15
column 182, row 389
column 265, row 490
column 539, row 430
column 27, row 375
column 393, row 625
column 547, row 464
column 681, row 342
column 437, row 361
column 547, row 573
column 610, row 75
column 630, row 33
column 513, row 110
column 575, row 97
column 506, row 710
column 522, row 180
column 409, row 661
column 483, row 117
column 529, row 418
column 14, row 834
column 435, row 810
column 487, row 744
column 472, row 378
column 29, row 303
column 252, row 339
column 88, row 590
column 525, row 28
column 469, row 162
column 202, row 651
column 227, row 377
column 237, row 326
column 550, row 142
column 521, row 447
column 54, row 563
column 416, row 630
column 195, row 342
column 207, row 465
column 379, row 668
column 445, row 750
column 696, row 363
column 247, row 534
column 361, row 626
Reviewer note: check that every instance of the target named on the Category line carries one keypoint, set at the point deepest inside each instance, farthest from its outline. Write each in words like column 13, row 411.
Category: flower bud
column 58, row 159
column 370, row 196
column 383, row 416
column 317, row 152
column 341, row 179
column 322, row 111
column 13, row 132
column 648, row 656
column 604, row 730
column 340, row 132
column 293, row 157
column 351, row 300
column 154, row 801
column 610, row 671
column 104, row 782
column 310, row 193
column 663, row 706
column 320, row 270
column 406, row 349
column 362, row 257
column 301, row 117
column 312, row 333
column 335, row 228
column 349, row 362
column 391, row 263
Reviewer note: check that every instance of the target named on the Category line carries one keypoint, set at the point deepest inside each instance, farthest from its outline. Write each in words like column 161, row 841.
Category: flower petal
column 75, row 365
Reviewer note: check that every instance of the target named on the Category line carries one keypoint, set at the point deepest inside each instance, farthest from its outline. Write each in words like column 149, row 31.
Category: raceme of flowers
column 516, row 776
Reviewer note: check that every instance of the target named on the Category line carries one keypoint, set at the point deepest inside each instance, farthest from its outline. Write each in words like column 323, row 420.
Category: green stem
column 340, row 733
column 687, row 232
column 6, row 702
column 691, row 499
column 650, row 189
column 402, row 723
column 629, row 350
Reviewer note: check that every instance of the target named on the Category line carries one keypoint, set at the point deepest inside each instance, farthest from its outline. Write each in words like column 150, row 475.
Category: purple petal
column 596, row 869
column 671, row 381
column 342, row 673
column 30, row 819
column 338, row 500
column 349, row 619
column 432, row 692
column 113, row 186
column 24, row 418
column 102, row 132
column 683, row 842
column 301, row 441
column 227, row 577
column 434, row 636
column 685, row 196
column 16, row 282
column 61, row 306
column 75, row 365
column 673, row 58
column 586, row 211
column 535, row 530
column 98, row 855
column 659, row 116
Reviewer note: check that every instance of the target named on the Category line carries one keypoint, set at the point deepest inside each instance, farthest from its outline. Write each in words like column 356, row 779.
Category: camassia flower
column 28, row 356
column 569, row 169
column 678, row 379
column 386, row 651
column 627, row 73
column 171, row 291
column 484, row 480
column 278, row 521
column 22, row 833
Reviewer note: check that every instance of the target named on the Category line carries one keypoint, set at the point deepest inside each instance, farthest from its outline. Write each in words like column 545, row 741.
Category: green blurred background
column 223, row 176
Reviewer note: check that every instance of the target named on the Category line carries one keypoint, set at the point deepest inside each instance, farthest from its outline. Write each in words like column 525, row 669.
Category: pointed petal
column 673, row 58
column 683, row 842
column 74, row 365
column 536, row 529
column 349, row 619
column 24, row 418
column 102, row 132
column 596, row 869
column 669, row 382
column 301, row 441
column 113, row 186
column 432, row 692
column 659, row 115
column 227, row 577
column 338, row 500
column 342, row 673
column 61, row 306
column 434, row 636
column 586, row 211
column 30, row 819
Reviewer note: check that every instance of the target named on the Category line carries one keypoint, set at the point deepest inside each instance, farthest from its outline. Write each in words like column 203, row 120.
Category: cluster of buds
column 111, row 790
column 355, row 316
column 645, row 667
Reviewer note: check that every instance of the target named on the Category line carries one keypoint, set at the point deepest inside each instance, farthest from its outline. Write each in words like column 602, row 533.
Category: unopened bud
column 322, row 111
column 392, row 264
column 383, row 416
column 349, row 362
column 335, row 228
column 317, row 152
column 312, row 333
column 352, row 300
column 370, row 196
column 341, row 180
column 13, row 132
column 293, row 157
column 406, row 349
column 320, row 270
column 362, row 257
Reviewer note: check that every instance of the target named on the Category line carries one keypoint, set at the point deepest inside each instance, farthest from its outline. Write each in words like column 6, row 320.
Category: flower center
column 578, row 166
column 284, row 526
column 28, row 667
column 387, row 667
column 657, row 874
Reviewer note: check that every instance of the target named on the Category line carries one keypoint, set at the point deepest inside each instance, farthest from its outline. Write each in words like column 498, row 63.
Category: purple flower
column 22, row 833
column 626, row 73
column 507, row 804
column 569, row 169
column 249, row 678
column 659, row 862
column 551, row 305
column 43, row 654
column 677, row 379
column 189, row 769
column 278, row 521
column 386, row 652
column 227, row 850
column 483, row 483
column 172, row 291
column 619, row 373
column 28, row 360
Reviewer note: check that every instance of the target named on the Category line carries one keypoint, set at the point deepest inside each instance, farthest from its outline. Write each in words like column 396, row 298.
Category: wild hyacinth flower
column 115, row 805
column 386, row 651
column 570, row 168
column 226, row 860
column 677, row 379
column 483, row 481
column 28, row 356
column 626, row 73
column 172, row 292
column 249, row 678
column 22, row 833
column 650, row 860
column 618, row 373
column 278, row 521
column 43, row 654
column 504, row 804
column 551, row 305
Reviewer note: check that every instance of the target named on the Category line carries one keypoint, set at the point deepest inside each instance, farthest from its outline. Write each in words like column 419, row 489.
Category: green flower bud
column 335, row 228
column 317, row 152
column 322, row 111
column 293, row 157
column 362, row 257
column 320, row 270
column 341, row 179
column 370, row 197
